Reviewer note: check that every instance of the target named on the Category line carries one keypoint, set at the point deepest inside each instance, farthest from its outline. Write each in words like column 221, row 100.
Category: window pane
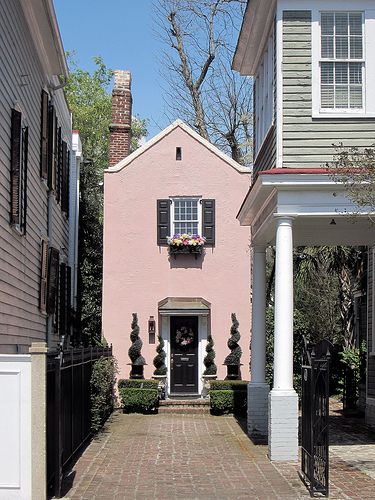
column 328, row 96
column 327, row 72
column 341, row 23
column 355, row 23
column 342, row 97
column 341, row 73
column 356, row 51
column 355, row 97
column 327, row 46
column 355, row 73
column 341, row 47
column 327, row 23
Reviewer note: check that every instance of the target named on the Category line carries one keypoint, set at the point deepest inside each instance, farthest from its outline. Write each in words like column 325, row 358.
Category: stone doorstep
column 184, row 406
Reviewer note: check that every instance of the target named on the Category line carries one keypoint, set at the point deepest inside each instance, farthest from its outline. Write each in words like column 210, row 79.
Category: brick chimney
column 120, row 128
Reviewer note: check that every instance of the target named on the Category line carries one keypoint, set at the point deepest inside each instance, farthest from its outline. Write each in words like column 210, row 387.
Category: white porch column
column 258, row 389
column 283, row 400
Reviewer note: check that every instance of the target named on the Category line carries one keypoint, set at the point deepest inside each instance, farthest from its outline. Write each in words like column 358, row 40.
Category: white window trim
column 186, row 198
column 260, row 139
column 368, row 110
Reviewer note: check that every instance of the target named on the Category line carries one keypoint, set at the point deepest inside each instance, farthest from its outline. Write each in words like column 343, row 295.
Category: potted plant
column 160, row 372
column 137, row 360
column 185, row 244
column 211, row 369
column 232, row 361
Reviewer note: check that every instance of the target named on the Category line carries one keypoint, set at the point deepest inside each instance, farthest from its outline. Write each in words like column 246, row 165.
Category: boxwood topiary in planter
column 137, row 360
column 159, row 359
column 233, row 360
column 208, row 361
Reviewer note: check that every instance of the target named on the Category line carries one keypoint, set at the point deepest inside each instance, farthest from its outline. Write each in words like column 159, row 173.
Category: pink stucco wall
column 138, row 273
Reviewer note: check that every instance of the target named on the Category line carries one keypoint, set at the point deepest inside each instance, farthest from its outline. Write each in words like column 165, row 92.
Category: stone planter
column 136, row 371
column 163, row 385
column 233, row 372
column 206, row 379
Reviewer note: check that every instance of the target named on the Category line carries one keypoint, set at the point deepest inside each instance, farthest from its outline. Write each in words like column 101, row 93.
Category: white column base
column 257, row 409
column 283, row 425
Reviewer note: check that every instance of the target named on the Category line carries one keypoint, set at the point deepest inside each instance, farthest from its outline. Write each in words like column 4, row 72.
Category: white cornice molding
column 41, row 19
column 178, row 123
column 258, row 19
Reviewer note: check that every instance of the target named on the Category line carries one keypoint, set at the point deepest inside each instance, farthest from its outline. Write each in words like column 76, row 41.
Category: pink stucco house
column 177, row 182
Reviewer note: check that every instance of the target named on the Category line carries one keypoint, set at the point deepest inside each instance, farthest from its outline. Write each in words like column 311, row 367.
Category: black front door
column 184, row 354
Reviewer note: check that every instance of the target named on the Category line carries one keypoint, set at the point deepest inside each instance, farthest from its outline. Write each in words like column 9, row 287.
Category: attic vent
column 178, row 153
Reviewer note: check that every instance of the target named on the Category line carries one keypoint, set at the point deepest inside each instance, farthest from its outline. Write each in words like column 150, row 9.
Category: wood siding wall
column 307, row 142
column 21, row 322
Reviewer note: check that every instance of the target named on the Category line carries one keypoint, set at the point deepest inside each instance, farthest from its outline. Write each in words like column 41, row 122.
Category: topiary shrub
column 159, row 359
column 136, row 400
column 137, row 360
column 102, row 391
column 228, row 401
column 234, row 357
column 127, row 383
column 208, row 361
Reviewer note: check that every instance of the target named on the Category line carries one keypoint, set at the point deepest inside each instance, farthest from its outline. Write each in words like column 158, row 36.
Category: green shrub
column 102, row 393
column 132, row 383
column 228, row 385
column 228, row 401
column 135, row 400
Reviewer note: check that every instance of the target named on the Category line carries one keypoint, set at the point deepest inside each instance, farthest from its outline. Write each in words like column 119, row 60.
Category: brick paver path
column 171, row 456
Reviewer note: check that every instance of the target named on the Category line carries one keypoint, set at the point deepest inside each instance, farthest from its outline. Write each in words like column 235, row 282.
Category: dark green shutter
column 53, row 280
column 59, row 166
column 15, row 167
column 43, row 276
column 208, row 221
column 25, row 156
column 163, row 221
column 51, row 148
column 44, row 137
column 64, row 167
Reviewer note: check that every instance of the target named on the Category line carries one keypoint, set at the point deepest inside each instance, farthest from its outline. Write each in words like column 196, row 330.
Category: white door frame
column 202, row 341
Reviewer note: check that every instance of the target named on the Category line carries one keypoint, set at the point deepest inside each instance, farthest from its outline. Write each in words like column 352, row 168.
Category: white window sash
column 197, row 221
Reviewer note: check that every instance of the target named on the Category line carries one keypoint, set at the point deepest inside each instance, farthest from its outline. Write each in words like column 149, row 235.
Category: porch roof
column 323, row 212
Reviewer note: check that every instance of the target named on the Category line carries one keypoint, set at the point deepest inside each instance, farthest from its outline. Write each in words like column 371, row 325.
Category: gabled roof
column 178, row 123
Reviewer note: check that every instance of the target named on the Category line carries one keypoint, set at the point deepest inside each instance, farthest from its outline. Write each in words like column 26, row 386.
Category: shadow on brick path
column 172, row 456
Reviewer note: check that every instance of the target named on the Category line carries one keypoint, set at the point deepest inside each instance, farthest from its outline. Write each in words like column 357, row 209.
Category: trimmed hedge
column 137, row 384
column 228, row 385
column 102, row 391
column 228, row 401
column 135, row 400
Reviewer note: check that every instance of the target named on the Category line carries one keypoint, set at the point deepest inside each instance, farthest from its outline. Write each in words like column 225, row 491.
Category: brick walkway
column 192, row 457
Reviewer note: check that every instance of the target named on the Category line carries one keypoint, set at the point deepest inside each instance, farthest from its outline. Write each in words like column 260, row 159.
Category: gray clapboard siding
column 20, row 319
column 309, row 142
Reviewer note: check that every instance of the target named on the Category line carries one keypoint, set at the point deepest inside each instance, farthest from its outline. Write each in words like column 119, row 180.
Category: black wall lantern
column 151, row 330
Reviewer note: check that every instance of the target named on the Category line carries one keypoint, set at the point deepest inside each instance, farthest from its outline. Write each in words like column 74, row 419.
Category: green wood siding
column 308, row 142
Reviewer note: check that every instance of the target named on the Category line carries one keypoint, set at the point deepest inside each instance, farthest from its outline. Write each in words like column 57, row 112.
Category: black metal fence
column 315, row 417
column 68, row 407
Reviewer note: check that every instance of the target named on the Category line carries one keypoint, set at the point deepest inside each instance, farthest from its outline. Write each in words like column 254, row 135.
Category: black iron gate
column 315, row 416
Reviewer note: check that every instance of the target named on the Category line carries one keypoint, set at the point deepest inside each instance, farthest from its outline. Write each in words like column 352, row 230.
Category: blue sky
column 121, row 31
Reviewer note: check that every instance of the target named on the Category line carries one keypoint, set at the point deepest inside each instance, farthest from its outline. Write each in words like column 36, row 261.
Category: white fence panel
column 15, row 427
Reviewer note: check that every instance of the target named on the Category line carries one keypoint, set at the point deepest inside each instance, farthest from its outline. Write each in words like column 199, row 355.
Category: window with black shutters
column 18, row 172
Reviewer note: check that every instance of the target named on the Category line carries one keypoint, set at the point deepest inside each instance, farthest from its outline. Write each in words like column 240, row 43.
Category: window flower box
column 185, row 244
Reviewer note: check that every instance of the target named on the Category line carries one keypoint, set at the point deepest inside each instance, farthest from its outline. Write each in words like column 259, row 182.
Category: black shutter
column 53, row 280
column 67, row 183
column 163, row 221
column 208, row 221
column 68, row 298
column 64, row 166
column 59, row 166
column 25, row 155
column 15, row 167
column 52, row 148
column 44, row 137
column 43, row 277
column 63, row 302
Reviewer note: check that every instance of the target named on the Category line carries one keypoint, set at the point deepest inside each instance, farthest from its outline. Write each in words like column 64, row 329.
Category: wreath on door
column 184, row 336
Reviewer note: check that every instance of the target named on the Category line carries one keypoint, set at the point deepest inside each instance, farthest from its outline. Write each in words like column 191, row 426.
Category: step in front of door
column 182, row 406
